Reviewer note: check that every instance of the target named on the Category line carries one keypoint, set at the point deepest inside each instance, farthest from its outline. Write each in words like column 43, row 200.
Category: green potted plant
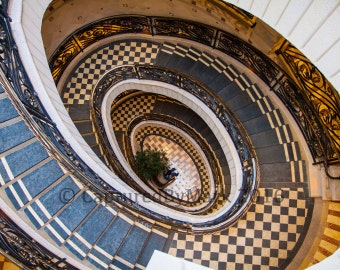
column 151, row 163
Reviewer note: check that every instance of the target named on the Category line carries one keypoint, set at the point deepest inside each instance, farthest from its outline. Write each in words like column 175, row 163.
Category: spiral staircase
column 233, row 120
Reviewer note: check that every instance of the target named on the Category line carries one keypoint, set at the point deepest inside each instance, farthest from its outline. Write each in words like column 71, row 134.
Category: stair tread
column 118, row 230
column 7, row 110
column 95, row 224
column 77, row 210
column 13, row 135
column 57, row 197
column 133, row 244
column 26, row 157
column 155, row 242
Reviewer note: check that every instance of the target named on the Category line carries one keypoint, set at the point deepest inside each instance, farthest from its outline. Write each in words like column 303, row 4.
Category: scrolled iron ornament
column 318, row 100
column 24, row 250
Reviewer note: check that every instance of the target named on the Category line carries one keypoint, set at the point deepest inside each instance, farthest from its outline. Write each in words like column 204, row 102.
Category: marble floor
column 188, row 182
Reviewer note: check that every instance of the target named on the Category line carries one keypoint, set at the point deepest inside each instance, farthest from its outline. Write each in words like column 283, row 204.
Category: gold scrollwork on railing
column 319, row 92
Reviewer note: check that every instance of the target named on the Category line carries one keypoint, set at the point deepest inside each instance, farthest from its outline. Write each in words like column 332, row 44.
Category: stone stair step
column 132, row 246
column 106, row 248
column 7, row 110
column 156, row 241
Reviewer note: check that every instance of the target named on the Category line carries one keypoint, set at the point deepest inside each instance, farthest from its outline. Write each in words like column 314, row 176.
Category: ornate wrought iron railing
column 321, row 135
column 218, row 179
column 24, row 251
column 20, row 90
column 322, row 111
column 233, row 127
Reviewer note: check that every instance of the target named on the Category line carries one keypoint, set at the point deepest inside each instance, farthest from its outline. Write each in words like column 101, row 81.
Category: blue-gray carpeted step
column 89, row 230
column 79, row 112
column 7, row 110
column 69, row 217
column 43, row 208
column 77, row 210
column 229, row 91
column 131, row 247
column 265, row 138
column 257, row 125
column 100, row 219
column 90, row 139
column 25, row 158
column 177, row 56
column 13, row 135
column 248, row 112
column 84, row 127
column 34, row 183
column 285, row 172
column 156, row 241
column 111, row 240
column 219, row 82
column 165, row 53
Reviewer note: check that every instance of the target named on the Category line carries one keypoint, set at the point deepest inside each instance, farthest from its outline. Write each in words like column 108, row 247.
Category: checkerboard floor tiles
column 263, row 239
column 269, row 233
column 123, row 114
column 182, row 155
column 79, row 87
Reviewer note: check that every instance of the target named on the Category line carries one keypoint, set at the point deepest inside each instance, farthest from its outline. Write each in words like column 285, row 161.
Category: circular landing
column 187, row 184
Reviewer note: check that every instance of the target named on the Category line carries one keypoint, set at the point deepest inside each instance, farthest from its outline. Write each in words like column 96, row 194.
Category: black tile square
column 248, row 259
column 293, row 203
column 292, row 220
column 268, row 209
column 189, row 245
column 258, row 216
column 180, row 253
column 240, row 250
column 275, row 235
column 276, row 218
column 215, row 239
column 197, row 254
column 205, row 263
column 206, row 246
column 283, row 245
column 232, row 240
column 274, row 253
column 267, row 226
column 223, row 248
column 181, row 236
column 241, row 232
column 249, row 242
column 301, row 212
column 284, row 210
column 284, row 227
column 265, row 260
column 222, row 265
column 257, row 251
column 292, row 237
column 258, row 234
column 266, row 243
column 231, row 257
column 198, row 238
column 214, row 256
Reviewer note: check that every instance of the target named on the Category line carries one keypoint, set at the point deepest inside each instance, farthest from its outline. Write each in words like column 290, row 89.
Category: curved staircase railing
column 319, row 137
column 24, row 251
column 233, row 127
column 24, row 97
column 211, row 158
